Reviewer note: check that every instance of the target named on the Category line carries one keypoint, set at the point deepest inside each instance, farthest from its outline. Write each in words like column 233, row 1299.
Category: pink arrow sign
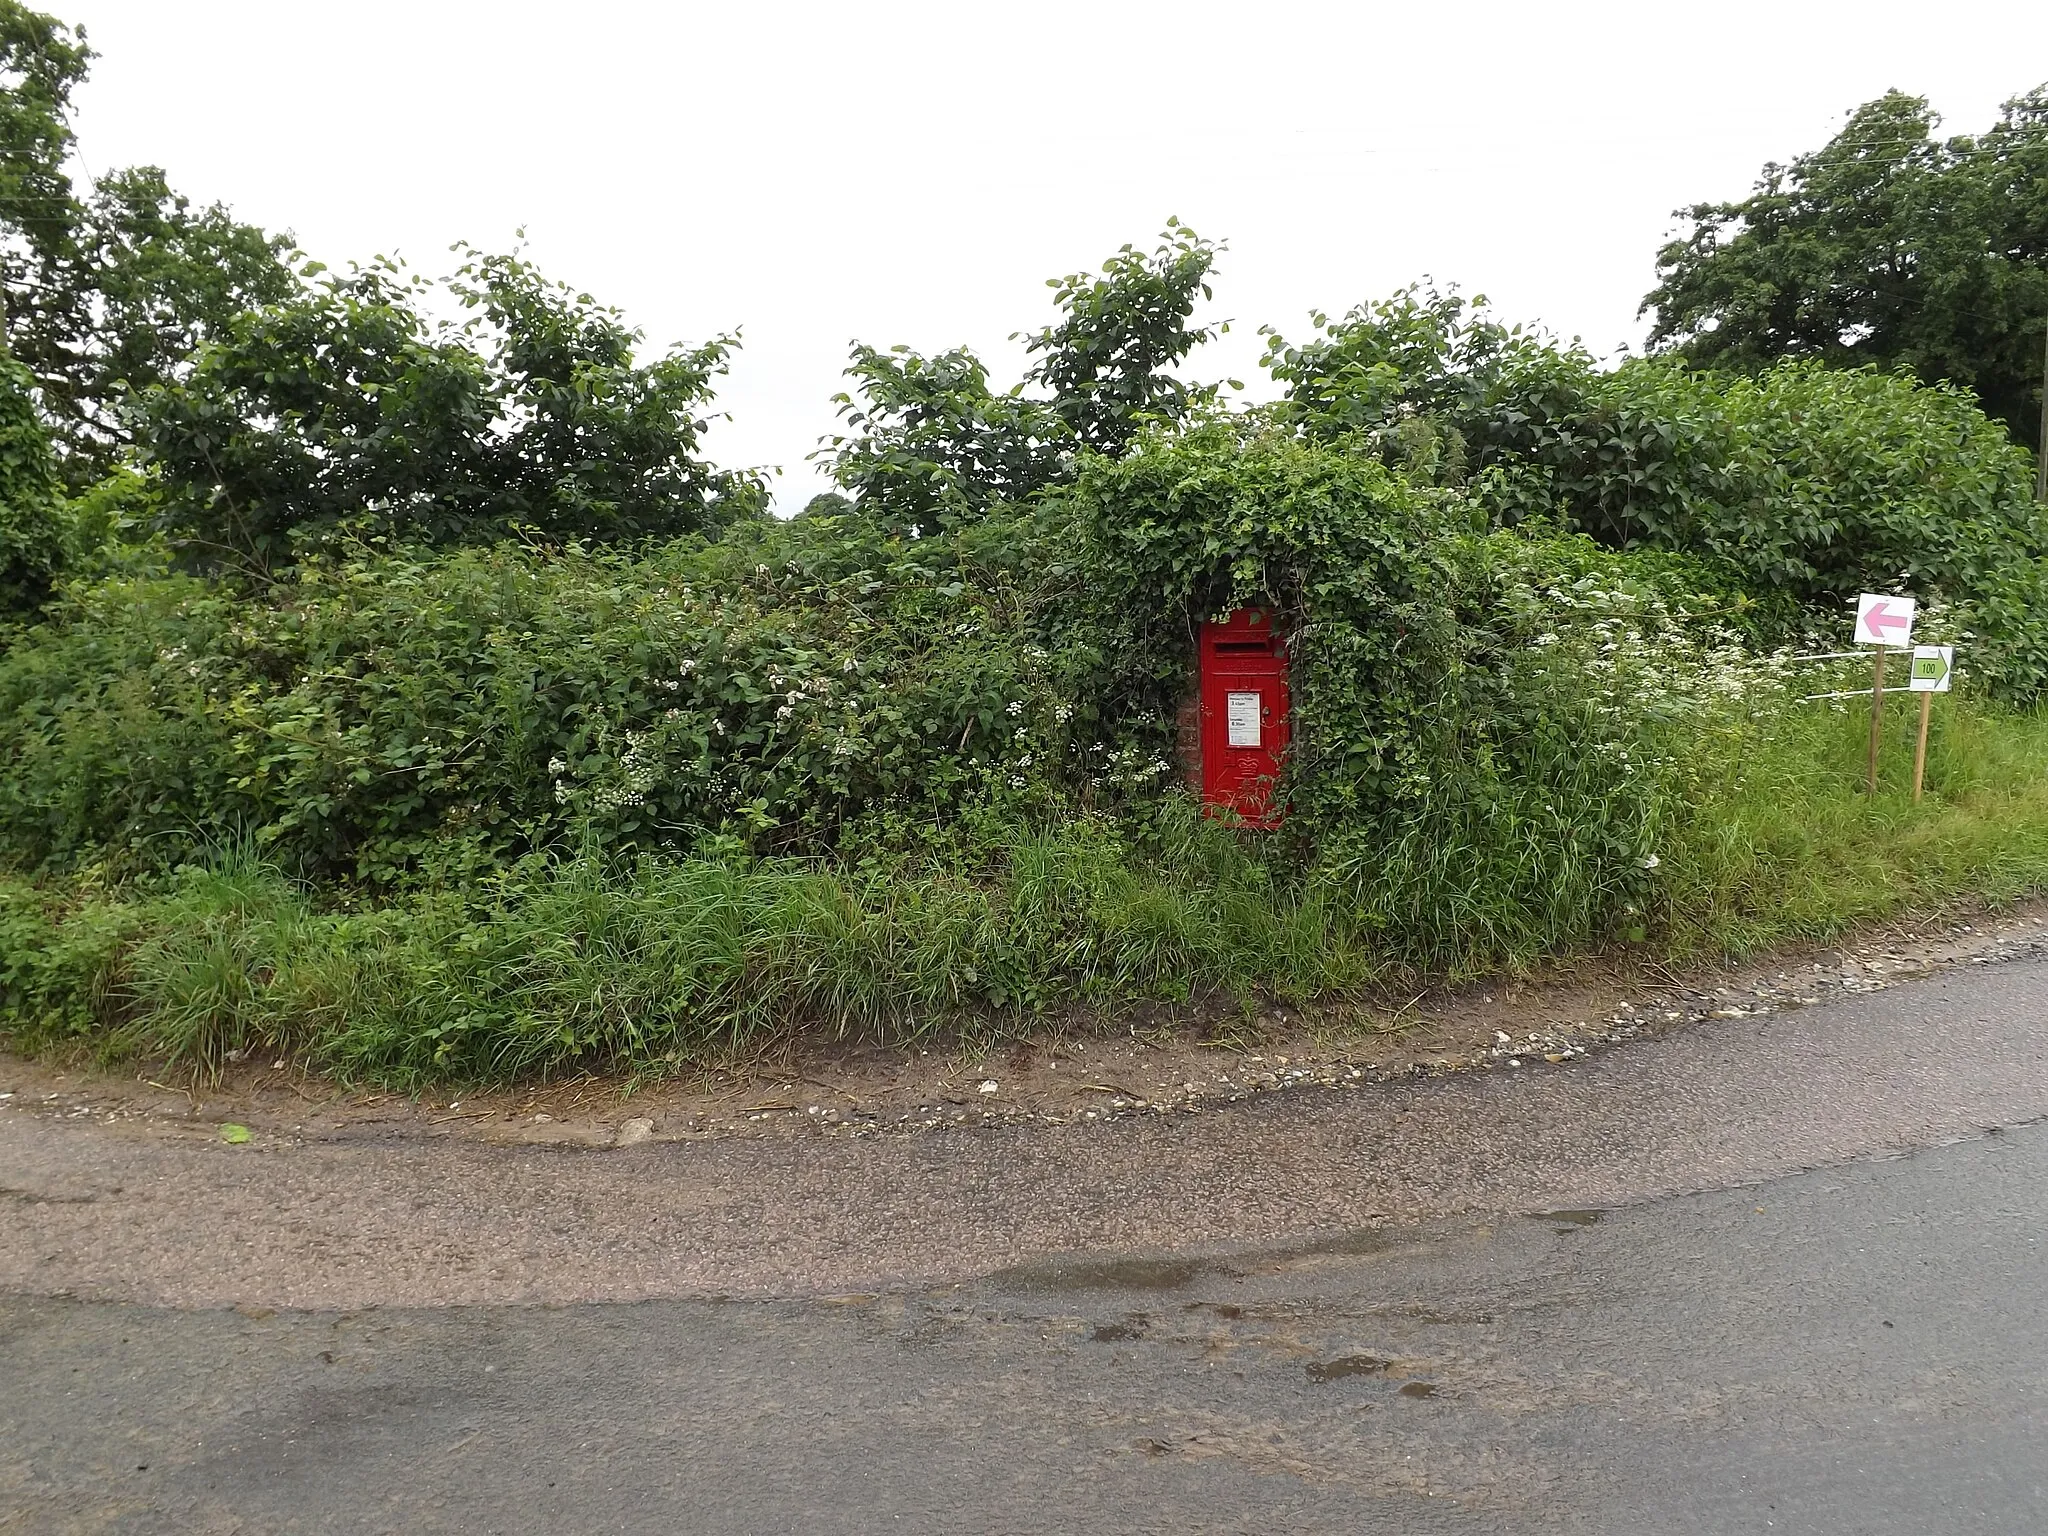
column 1882, row 620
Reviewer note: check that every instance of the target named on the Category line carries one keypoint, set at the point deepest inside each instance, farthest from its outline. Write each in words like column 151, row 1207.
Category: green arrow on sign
column 1931, row 666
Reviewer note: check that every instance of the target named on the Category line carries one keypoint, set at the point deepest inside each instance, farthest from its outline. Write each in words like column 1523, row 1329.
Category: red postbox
column 1243, row 704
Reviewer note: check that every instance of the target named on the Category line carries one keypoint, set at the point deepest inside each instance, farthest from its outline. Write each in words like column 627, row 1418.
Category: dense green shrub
column 380, row 714
column 573, row 963
column 1484, row 750
column 820, row 689
column 1810, row 484
column 929, row 443
column 61, row 962
column 346, row 410
column 568, row 759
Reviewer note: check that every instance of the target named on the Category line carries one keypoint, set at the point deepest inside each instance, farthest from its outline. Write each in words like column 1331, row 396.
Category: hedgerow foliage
column 1483, row 720
column 383, row 713
column 531, row 743
column 929, row 442
column 386, row 670
column 1809, row 484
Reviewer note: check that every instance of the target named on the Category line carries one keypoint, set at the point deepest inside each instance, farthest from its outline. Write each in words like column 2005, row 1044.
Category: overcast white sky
column 913, row 172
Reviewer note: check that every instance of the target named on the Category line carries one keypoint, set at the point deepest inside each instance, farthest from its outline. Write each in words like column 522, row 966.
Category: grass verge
column 564, row 964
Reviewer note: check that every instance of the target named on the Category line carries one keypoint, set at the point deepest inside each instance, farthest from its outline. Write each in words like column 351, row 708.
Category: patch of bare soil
column 1162, row 1065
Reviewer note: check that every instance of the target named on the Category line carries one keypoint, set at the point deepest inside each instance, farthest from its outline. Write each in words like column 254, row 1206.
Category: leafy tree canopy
column 1105, row 363
column 827, row 504
column 1804, row 484
column 929, row 442
column 1408, row 377
column 107, row 292
column 31, row 526
column 1887, row 246
column 348, row 410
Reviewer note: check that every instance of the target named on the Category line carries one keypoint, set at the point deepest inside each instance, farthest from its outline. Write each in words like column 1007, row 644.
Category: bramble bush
column 380, row 716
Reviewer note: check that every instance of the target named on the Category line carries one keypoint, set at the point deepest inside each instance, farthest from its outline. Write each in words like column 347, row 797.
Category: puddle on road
column 1572, row 1220
column 1345, row 1365
column 1105, row 1274
column 1062, row 1274
column 1119, row 1333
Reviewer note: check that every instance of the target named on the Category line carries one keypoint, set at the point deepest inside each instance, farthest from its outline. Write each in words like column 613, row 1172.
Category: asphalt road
column 1843, row 1328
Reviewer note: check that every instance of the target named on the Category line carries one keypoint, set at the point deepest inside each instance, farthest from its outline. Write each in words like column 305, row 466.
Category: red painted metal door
column 1244, row 715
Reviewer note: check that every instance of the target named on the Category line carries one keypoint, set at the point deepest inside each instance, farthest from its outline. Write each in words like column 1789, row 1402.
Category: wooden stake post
column 1883, row 622
column 1920, row 746
column 1931, row 668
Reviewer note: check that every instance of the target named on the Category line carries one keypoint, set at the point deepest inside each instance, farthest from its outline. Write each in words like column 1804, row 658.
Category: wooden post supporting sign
column 1881, row 621
column 1932, row 669
column 1920, row 746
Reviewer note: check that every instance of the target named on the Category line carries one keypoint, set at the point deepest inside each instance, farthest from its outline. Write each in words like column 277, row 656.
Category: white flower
column 1652, row 862
column 1013, row 709
column 557, row 767
column 686, row 666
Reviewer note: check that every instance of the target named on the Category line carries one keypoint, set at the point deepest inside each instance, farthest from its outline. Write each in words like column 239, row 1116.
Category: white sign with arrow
column 1882, row 620
column 1934, row 668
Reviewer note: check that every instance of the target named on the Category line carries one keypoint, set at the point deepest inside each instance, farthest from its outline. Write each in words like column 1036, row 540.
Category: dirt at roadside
column 1055, row 1076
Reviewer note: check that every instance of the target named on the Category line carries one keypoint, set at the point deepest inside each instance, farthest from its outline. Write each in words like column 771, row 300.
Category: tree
column 108, row 293
column 1106, row 361
column 31, row 526
column 1886, row 246
column 929, row 442
column 346, row 411
column 827, row 504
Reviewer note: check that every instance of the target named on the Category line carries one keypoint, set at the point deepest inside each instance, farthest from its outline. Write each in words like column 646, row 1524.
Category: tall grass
column 569, row 963
column 1784, row 843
